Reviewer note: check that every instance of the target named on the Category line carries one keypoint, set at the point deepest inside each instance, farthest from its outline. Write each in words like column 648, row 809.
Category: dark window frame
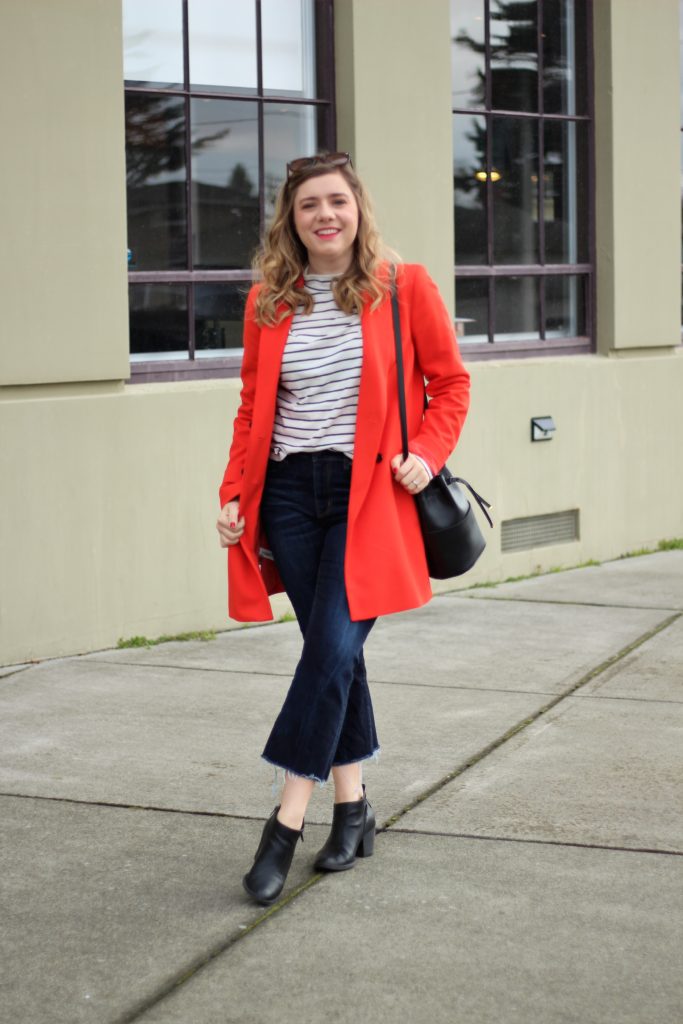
column 146, row 371
column 491, row 349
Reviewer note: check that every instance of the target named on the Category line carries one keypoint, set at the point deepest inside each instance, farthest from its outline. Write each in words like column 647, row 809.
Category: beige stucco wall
column 109, row 531
column 109, row 491
column 117, row 538
column 64, row 313
column 638, row 179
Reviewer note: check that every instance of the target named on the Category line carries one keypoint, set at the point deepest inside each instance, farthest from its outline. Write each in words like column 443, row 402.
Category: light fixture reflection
column 483, row 176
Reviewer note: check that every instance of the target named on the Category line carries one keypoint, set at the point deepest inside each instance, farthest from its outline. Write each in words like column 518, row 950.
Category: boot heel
column 367, row 844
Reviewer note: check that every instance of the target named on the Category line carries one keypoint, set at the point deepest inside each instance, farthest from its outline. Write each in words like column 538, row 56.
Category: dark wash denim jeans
column 327, row 717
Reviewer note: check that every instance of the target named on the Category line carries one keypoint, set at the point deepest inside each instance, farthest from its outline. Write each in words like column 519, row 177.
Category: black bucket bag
column 452, row 538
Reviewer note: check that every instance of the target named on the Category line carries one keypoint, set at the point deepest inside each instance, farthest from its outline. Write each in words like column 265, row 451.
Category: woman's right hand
column 230, row 527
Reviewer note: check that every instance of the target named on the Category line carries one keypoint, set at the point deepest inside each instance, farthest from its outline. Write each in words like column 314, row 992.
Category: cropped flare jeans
column 327, row 718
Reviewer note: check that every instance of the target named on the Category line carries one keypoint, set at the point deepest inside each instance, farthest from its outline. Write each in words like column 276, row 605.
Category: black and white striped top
column 317, row 396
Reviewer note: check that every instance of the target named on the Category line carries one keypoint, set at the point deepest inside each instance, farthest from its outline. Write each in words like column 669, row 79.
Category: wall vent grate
column 540, row 531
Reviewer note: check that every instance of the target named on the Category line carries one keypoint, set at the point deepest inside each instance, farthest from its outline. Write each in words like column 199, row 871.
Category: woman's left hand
column 410, row 474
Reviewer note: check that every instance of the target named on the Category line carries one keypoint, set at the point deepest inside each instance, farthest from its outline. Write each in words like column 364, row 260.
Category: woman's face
column 326, row 221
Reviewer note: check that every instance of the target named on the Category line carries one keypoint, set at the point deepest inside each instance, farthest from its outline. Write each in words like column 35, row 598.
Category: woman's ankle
column 294, row 799
column 348, row 783
column 348, row 795
column 294, row 821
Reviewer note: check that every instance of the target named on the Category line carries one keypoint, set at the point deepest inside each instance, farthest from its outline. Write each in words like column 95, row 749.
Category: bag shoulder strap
column 399, row 363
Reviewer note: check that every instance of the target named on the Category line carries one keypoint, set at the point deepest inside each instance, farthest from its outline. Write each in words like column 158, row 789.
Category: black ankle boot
column 352, row 835
column 266, row 878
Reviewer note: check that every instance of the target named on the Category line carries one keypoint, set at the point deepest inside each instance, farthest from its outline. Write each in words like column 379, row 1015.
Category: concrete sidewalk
column 530, row 869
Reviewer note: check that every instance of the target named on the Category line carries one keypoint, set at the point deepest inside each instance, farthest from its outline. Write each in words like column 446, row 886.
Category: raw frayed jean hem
column 280, row 773
column 370, row 758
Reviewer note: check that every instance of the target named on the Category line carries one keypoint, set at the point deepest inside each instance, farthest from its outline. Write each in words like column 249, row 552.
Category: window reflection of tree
column 155, row 135
column 470, row 194
column 155, row 173
column 514, row 56
column 513, row 70
column 514, row 59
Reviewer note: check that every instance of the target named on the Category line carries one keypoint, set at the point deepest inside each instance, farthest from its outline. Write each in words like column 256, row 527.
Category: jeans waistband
column 325, row 455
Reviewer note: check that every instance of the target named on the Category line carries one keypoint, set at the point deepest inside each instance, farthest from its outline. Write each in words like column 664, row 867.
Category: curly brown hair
column 282, row 257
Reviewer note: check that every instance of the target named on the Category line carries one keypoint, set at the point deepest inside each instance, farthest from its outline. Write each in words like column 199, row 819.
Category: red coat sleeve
column 231, row 485
column 439, row 359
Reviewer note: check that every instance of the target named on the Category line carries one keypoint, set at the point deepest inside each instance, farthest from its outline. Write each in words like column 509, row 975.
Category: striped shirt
column 317, row 395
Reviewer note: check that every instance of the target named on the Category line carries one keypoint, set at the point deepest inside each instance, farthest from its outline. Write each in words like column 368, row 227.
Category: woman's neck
column 338, row 266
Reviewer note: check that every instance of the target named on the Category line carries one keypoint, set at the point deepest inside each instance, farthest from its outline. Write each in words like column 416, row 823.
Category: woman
column 316, row 498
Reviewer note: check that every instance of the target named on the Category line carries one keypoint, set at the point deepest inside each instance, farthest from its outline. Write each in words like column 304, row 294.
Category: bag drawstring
column 481, row 502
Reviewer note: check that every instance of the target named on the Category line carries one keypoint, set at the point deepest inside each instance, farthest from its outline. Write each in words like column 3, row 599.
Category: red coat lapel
column 271, row 348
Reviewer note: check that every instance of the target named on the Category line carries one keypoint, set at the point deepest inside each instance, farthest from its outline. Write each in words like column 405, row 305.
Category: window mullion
column 331, row 92
column 540, row 199
column 188, row 177
column 488, row 91
column 492, row 309
column 489, row 140
column 260, row 125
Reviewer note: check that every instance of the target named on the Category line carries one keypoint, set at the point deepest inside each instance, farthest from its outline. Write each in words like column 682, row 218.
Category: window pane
column 222, row 44
column 468, row 62
column 515, row 190
column 153, row 41
column 225, row 197
column 469, row 188
column 565, row 197
column 472, row 309
column 517, row 308
column 218, row 312
column 514, row 60
column 155, row 175
column 565, row 306
column 289, row 131
column 288, row 41
column 564, row 63
column 158, row 321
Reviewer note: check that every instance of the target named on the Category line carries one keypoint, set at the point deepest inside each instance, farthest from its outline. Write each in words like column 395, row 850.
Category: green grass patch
column 287, row 617
column 145, row 641
column 527, row 576
column 535, row 573
column 675, row 544
column 637, row 553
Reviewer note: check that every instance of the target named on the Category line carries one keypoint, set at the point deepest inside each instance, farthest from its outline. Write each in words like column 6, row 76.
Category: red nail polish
column 394, row 470
column 233, row 525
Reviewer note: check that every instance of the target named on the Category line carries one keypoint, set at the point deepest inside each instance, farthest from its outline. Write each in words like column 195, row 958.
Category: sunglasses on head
column 326, row 159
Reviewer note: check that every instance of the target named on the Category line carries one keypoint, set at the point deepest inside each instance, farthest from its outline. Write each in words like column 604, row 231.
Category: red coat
column 385, row 566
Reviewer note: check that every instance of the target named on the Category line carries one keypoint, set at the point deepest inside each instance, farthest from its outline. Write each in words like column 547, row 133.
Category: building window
column 522, row 175
column 219, row 95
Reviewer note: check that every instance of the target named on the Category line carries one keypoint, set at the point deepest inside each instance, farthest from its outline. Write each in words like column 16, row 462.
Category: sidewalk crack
column 530, row 719
column 530, row 840
column 167, row 988
column 577, row 604
column 133, row 807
